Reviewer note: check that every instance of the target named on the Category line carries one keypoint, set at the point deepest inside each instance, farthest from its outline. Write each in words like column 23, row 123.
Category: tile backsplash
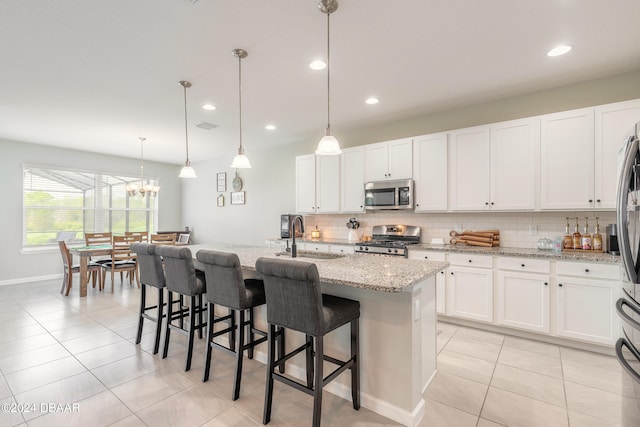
column 517, row 229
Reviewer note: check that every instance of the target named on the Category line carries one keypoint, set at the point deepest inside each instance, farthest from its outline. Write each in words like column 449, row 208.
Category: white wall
column 15, row 266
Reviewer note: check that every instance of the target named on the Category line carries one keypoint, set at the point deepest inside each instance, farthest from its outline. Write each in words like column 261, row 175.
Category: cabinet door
column 514, row 164
column 352, row 186
column 430, row 172
column 469, row 163
column 306, row 184
column 523, row 301
column 613, row 123
column 400, row 159
column 377, row 161
column 585, row 309
column 441, row 277
column 470, row 293
column 566, row 163
column 328, row 184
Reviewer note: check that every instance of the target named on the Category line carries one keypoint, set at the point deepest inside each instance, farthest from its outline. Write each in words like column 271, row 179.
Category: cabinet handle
column 469, row 260
column 442, row 272
column 590, row 200
column 491, row 203
column 586, row 270
column 560, row 284
column 426, row 257
column 486, row 203
column 546, row 283
column 452, row 273
column 522, row 265
column 598, row 200
column 417, row 205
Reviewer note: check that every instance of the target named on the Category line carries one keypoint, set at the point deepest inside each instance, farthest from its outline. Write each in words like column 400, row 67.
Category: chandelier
column 142, row 189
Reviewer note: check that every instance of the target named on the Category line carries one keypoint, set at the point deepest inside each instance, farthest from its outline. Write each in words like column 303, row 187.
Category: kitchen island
column 397, row 325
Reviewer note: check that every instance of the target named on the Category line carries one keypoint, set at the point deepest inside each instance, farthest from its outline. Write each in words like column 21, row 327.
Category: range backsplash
column 517, row 229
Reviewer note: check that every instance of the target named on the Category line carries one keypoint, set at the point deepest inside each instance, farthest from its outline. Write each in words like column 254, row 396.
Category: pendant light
column 186, row 171
column 328, row 145
column 142, row 189
column 240, row 161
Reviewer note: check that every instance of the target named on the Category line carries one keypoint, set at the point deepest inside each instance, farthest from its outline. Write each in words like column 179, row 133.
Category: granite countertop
column 321, row 240
column 366, row 271
column 585, row 256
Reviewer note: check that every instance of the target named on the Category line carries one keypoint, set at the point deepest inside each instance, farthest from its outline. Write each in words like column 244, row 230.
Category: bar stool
column 151, row 274
column 294, row 301
column 182, row 278
column 226, row 287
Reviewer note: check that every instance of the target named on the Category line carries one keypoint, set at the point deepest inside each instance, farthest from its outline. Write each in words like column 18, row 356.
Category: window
column 61, row 204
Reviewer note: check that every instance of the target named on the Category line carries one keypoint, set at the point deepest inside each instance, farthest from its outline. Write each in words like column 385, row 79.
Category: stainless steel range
column 390, row 240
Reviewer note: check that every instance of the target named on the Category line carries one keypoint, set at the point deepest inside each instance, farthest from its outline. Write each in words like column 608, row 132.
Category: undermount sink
column 313, row 255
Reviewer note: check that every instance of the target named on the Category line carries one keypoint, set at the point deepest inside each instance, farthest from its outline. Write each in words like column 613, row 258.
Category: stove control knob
column 395, row 250
column 389, row 250
column 366, row 249
column 361, row 248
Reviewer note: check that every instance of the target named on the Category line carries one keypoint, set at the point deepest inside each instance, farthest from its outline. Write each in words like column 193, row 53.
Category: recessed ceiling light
column 372, row 100
column 270, row 127
column 318, row 64
column 209, row 107
column 560, row 50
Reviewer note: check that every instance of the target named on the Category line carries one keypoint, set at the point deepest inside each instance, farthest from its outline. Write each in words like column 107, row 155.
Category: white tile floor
column 60, row 350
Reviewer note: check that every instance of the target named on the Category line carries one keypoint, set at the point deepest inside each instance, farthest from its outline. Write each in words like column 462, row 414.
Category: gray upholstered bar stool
column 182, row 278
column 151, row 274
column 227, row 287
column 295, row 302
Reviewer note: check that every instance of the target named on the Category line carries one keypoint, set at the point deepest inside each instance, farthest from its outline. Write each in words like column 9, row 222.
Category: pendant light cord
column 142, row 161
column 186, row 131
column 240, row 150
column 328, row 132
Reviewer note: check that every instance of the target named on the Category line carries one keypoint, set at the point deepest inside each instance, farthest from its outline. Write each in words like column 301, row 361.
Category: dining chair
column 67, row 261
column 122, row 259
column 98, row 239
column 144, row 236
column 163, row 239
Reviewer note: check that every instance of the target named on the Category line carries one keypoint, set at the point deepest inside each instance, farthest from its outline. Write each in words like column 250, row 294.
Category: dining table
column 85, row 253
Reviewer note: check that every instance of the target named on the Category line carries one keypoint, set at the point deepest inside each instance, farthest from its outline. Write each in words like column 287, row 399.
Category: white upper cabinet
column 317, row 184
column 613, row 122
column 430, row 172
column 389, row 160
column 469, row 162
column 306, row 184
column 514, row 164
column 567, row 160
column 352, row 185
column 327, row 184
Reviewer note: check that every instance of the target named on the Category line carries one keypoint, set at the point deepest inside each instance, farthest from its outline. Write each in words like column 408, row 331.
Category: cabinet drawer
column 523, row 264
column 471, row 260
column 318, row 247
column 584, row 269
column 429, row 256
column 342, row 249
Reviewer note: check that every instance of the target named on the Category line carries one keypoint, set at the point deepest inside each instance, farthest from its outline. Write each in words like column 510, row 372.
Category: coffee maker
column 612, row 239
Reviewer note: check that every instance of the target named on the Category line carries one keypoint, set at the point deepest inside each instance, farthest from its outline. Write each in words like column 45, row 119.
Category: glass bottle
column 586, row 236
column 577, row 237
column 597, row 238
column 567, row 242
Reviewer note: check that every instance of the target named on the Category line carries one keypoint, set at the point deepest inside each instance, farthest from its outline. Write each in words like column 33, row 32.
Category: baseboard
column 30, row 279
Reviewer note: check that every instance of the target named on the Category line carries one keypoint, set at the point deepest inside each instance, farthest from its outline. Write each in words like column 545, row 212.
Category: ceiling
column 96, row 75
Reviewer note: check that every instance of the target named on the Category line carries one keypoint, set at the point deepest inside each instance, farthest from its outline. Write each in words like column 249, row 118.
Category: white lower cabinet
column 342, row 249
column 441, row 277
column 585, row 302
column 470, row 289
column 523, row 301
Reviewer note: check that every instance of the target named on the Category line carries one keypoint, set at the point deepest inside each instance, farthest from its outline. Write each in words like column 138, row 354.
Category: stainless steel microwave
column 391, row 195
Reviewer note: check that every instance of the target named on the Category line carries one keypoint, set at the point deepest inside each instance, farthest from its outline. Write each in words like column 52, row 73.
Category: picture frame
column 220, row 200
column 221, row 179
column 237, row 198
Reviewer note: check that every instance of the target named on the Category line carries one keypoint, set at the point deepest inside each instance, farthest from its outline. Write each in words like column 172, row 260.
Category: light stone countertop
column 585, row 256
column 366, row 271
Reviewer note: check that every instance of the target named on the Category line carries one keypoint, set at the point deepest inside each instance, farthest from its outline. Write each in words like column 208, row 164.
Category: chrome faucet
column 294, row 249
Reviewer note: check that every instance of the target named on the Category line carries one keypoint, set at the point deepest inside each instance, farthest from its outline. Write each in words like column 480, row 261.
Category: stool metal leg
column 156, row 344
column 317, row 389
column 309, row 355
column 192, row 326
column 143, row 305
column 252, row 336
column 268, row 395
column 281, row 343
column 355, row 369
column 239, row 355
column 207, row 354
column 167, row 332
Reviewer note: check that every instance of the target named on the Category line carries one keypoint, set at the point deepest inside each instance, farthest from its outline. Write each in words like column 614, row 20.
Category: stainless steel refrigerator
column 628, row 306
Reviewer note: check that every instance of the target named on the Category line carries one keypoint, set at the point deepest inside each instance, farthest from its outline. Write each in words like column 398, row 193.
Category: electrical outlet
column 458, row 228
column 533, row 230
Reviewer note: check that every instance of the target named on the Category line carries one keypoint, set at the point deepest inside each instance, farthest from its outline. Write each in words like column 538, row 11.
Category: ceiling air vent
column 206, row 126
